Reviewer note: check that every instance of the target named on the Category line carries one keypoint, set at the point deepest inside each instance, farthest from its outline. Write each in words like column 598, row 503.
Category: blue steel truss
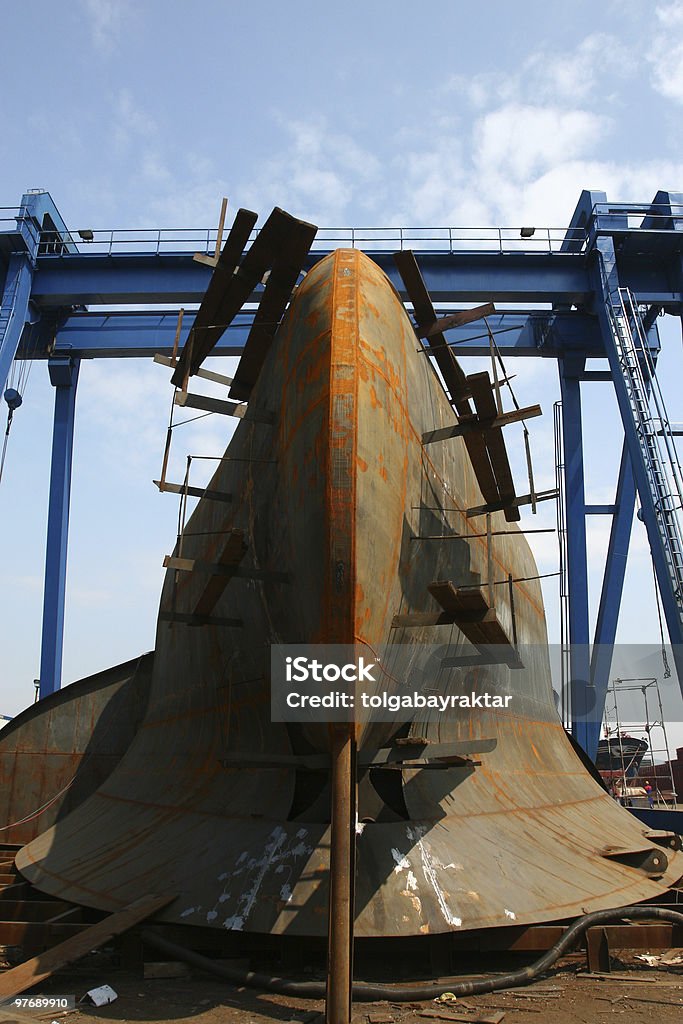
column 50, row 277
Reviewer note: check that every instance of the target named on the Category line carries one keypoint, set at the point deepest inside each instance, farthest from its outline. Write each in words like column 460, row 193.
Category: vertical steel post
column 577, row 574
column 610, row 596
column 342, row 876
column 64, row 377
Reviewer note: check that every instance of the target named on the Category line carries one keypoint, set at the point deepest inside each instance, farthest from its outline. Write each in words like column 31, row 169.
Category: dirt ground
column 566, row 995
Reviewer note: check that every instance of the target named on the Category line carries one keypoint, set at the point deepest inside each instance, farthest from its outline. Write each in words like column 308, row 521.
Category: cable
column 665, row 660
column 10, row 414
column 369, row 992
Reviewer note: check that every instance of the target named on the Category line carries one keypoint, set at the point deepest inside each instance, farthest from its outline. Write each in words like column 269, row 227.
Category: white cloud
column 319, row 174
column 519, row 141
column 666, row 55
column 578, row 75
column 106, row 18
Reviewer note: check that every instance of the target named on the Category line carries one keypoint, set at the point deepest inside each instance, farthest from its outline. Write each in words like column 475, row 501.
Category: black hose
column 364, row 991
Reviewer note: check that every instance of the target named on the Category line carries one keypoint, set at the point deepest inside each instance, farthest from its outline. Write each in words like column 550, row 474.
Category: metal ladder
column 652, row 424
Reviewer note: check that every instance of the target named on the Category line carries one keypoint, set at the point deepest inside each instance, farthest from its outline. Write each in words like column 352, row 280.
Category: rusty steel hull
column 57, row 752
column 331, row 492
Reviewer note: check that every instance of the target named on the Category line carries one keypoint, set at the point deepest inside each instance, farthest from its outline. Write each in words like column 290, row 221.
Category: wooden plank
column 286, row 269
column 458, row 319
column 471, row 613
column 217, row 569
column 28, row 974
column 418, row 619
column 212, row 319
column 456, row 600
column 187, row 400
column 193, row 492
column 234, row 288
column 217, row 378
column 451, row 371
column 233, row 552
column 495, row 444
column 187, row 619
column 471, row 426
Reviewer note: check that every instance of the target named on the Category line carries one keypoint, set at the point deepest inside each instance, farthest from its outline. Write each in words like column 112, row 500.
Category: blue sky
column 438, row 113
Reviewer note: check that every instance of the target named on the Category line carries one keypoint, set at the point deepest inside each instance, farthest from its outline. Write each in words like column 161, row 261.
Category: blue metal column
column 610, row 597
column 571, row 368
column 14, row 310
column 64, row 377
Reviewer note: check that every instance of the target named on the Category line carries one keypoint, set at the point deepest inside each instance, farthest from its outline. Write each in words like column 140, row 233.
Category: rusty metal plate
column 332, row 494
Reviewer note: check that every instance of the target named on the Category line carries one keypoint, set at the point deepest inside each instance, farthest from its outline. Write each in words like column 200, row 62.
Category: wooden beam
column 192, row 401
column 234, row 549
column 471, row 426
column 287, row 264
column 222, row 299
column 217, row 378
column 419, row 619
column 219, row 569
column 453, row 375
column 193, row 492
column 223, row 302
column 473, row 614
column 457, row 600
column 43, row 966
column 187, row 619
column 458, row 319
column 495, row 443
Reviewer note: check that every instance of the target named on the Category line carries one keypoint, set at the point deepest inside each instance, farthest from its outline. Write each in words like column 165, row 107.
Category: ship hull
column 333, row 489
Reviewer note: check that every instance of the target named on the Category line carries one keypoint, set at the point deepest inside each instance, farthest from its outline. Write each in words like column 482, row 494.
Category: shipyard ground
column 568, row 995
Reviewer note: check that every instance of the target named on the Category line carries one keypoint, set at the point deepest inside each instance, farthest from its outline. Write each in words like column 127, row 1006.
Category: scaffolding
column 641, row 755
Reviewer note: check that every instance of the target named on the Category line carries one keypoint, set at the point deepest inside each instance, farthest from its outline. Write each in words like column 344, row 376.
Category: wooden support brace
column 231, row 285
column 29, row 974
column 287, row 264
column 495, row 443
column 218, row 569
column 418, row 619
column 186, row 619
column 471, row 426
column 193, row 492
column 233, row 552
column 207, row 404
column 211, row 261
column 217, row 378
column 453, row 375
column 459, row 319
column 471, row 613
column 223, row 298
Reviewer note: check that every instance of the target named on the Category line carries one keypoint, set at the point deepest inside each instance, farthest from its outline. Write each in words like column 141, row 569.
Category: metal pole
column 342, row 876
column 64, row 376
column 610, row 596
column 577, row 561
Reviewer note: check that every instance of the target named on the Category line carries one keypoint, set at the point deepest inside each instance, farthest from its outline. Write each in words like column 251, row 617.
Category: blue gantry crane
column 603, row 281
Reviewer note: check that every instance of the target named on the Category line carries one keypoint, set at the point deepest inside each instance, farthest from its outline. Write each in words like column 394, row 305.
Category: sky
column 139, row 115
